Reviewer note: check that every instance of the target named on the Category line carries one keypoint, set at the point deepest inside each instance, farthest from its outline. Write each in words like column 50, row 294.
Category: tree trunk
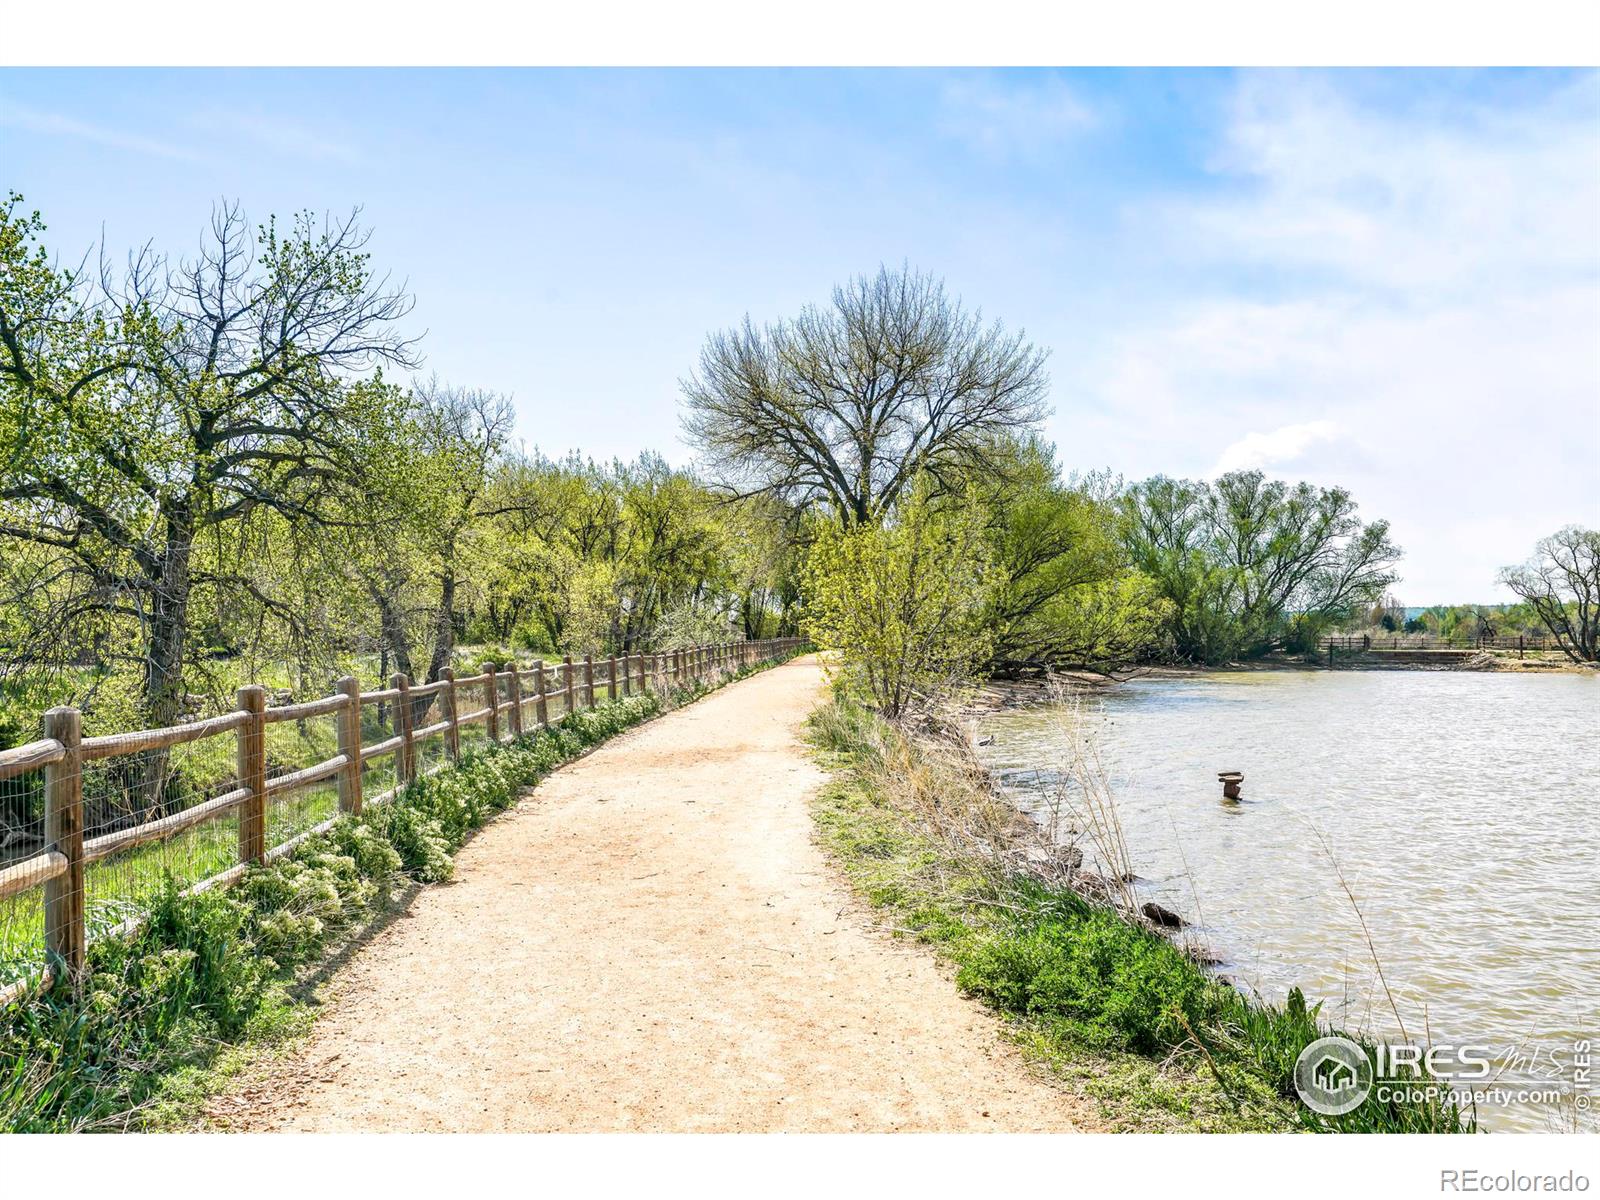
column 444, row 629
column 161, row 695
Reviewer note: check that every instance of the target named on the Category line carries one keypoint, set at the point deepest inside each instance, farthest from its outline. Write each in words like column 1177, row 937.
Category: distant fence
column 1422, row 642
column 114, row 807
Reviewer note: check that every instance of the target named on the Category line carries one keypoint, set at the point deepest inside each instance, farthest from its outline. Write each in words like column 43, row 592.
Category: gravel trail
column 651, row 941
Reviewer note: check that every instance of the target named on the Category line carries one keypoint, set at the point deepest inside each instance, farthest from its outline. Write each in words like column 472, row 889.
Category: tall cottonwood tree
column 145, row 409
column 848, row 403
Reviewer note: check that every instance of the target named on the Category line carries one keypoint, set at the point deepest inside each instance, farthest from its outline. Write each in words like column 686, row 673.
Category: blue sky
column 1387, row 280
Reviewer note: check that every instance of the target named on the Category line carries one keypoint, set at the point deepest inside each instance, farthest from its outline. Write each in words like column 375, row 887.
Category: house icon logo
column 1333, row 1076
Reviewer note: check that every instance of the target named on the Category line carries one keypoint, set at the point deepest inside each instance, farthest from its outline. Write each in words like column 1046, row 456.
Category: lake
column 1460, row 808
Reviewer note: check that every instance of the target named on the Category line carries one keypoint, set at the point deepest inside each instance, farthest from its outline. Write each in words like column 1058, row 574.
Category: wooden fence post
column 406, row 760
column 541, row 714
column 644, row 679
column 452, row 733
column 252, row 757
column 627, row 674
column 491, row 689
column 64, row 935
column 611, row 678
column 566, row 677
column 514, row 698
column 588, row 680
column 350, row 746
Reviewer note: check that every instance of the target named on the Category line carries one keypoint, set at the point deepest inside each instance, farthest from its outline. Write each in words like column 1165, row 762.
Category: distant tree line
column 210, row 468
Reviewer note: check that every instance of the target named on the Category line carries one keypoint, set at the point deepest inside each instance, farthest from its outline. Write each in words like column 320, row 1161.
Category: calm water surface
column 1460, row 808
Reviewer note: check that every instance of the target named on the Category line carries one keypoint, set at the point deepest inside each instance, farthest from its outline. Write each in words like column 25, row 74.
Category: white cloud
column 1423, row 281
column 1257, row 451
column 19, row 116
column 1012, row 119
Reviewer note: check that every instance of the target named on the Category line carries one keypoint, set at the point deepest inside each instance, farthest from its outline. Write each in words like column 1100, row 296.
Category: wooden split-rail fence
column 518, row 699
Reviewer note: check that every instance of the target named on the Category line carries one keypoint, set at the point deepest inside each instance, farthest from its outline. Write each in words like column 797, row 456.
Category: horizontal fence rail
column 1365, row 642
column 48, row 888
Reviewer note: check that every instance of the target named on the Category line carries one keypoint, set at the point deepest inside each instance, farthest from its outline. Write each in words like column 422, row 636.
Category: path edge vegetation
column 212, row 982
column 1117, row 1014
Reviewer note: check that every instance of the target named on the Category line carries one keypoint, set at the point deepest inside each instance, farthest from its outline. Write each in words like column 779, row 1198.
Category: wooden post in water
column 252, row 761
column 65, row 938
column 350, row 747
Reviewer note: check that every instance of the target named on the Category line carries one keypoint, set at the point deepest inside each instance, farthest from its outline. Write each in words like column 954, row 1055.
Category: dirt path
column 650, row 941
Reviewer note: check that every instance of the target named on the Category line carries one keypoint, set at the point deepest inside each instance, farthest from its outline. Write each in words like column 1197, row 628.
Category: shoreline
column 999, row 693
column 1119, row 1011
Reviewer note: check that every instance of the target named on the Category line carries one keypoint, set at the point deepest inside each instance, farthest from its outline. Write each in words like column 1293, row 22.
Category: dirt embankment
column 651, row 941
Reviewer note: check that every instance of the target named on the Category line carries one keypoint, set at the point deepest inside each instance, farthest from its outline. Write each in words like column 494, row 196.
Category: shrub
column 1107, row 982
column 903, row 603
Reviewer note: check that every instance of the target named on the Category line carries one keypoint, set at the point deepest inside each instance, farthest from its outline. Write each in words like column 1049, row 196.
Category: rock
column 1163, row 917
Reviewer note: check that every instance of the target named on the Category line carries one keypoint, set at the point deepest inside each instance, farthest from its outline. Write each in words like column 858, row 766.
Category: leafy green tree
column 1070, row 597
column 145, row 418
column 903, row 603
column 1250, row 565
column 1560, row 584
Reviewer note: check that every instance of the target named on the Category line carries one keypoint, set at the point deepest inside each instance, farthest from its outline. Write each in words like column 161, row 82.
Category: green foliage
column 1560, row 585
column 1248, row 565
column 1108, row 983
column 1069, row 597
column 903, row 603
column 202, row 493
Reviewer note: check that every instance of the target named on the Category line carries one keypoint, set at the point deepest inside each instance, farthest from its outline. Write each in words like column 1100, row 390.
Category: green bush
column 1108, row 983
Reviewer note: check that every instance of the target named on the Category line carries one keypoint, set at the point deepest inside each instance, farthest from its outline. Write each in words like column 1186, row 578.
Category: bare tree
column 1561, row 583
column 847, row 404
column 145, row 410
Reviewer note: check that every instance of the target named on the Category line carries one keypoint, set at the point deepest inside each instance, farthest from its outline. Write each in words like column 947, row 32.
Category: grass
column 1124, row 1018
column 167, row 1015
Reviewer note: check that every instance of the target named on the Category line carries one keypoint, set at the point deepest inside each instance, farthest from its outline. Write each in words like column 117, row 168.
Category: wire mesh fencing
column 472, row 697
column 124, row 795
column 22, row 842
column 293, row 747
